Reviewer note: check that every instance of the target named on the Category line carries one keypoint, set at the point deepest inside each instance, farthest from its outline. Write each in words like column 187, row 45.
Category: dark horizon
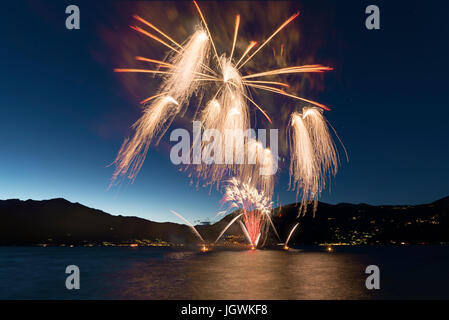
column 65, row 113
column 198, row 222
column 60, row 222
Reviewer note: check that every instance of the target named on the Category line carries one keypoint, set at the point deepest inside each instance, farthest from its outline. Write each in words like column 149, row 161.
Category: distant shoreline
column 243, row 247
column 58, row 222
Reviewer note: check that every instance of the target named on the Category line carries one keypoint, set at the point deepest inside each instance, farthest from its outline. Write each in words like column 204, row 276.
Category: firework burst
column 189, row 69
column 195, row 67
column 313, row 155
column 255, row 209
column 152, row 125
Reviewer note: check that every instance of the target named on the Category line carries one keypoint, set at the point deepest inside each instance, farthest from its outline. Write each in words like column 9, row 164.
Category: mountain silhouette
column 58, row 221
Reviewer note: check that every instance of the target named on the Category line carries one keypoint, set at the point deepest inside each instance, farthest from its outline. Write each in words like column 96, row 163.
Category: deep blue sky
column 64, row 113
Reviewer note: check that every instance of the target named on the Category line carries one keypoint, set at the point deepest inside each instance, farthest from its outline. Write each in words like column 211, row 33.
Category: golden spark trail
column 250, row 46
column 236, row 29
column 157, row 30
column 313, row 154
column 163, row 34
column 154, row 61
column 323, row 145
column 142, row 71
column 290, row 234
column 256, row 105
column 290, row 70
column 207, row 28
column 227, row 226
column 187, row 64
column 341, row 142
column 276, row 90
column 269, row 38
column 282, row 84
column 267, row 215
column 149, row 126
column 152, row 97
column 245, row 231
column 303, row 168
column 152, row 36
column 191, row 226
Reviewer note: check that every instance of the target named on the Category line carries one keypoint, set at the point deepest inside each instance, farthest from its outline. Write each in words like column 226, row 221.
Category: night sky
column 65, row 113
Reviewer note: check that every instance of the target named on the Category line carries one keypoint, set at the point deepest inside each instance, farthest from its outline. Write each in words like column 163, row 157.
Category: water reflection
column 258, row 274
column 414, row 272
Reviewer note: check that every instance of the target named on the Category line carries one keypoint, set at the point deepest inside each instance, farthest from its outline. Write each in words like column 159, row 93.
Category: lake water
column 407, row 272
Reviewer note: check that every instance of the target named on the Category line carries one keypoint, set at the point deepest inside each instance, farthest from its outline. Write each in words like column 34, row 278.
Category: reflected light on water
column 253, row 274
column 407, row 272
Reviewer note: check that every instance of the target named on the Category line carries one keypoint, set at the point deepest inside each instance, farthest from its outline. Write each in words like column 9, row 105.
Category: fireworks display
column 224, row 91
column 191, row 226
column 290, row 235
column 151, row 125
column 255, row 207
column 313, row 154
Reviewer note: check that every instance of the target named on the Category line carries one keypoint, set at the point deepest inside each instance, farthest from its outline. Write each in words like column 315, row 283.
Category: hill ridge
column 58, row 221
